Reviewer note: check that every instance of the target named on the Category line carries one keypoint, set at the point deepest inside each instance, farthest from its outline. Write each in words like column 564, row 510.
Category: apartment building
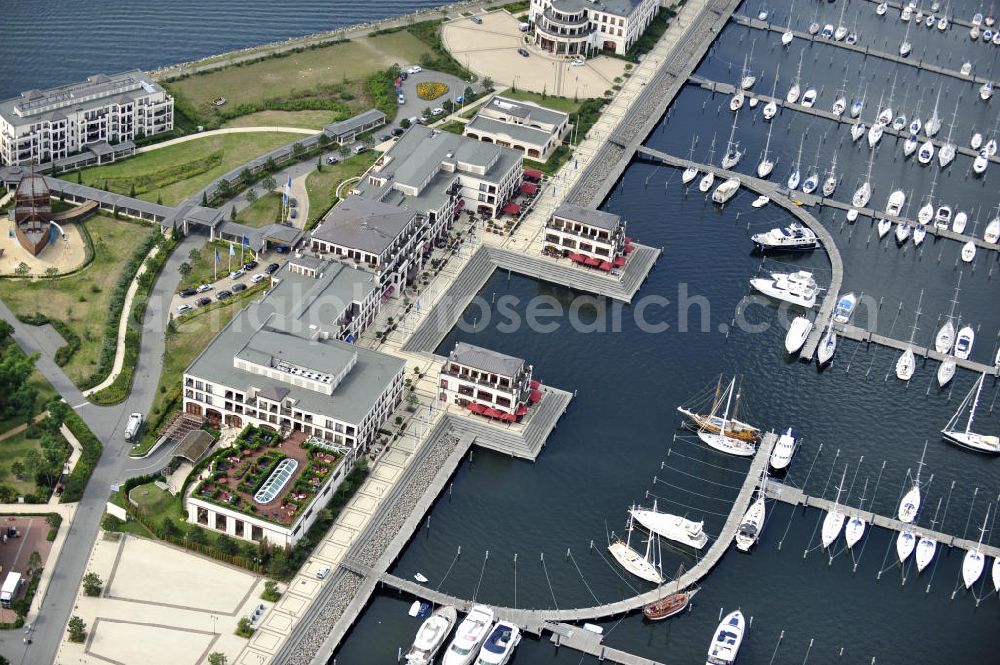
column 487, row 382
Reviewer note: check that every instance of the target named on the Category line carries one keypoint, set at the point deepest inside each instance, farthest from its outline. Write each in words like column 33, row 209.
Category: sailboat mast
column 975, row 403
column 729, row 401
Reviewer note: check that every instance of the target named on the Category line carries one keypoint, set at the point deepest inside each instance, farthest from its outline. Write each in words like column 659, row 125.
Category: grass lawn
column 304, row 119
column 151, row 498
column 265, row 210
column 564, row 104
column 177, row 172
column 81, row 299
column 316, row 75
column 453, row 126
column 322, row 186
column 203, row 265
column 16, row 448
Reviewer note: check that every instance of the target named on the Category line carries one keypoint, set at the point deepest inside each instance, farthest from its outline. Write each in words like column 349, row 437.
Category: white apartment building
column 481, row 380
column 48, row 125
column 533, row 130
column 587, row 236
column 580, row 27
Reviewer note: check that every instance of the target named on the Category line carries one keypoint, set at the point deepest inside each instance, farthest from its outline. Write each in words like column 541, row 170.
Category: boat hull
column 726, row 444
column 667, row 607
column 672, row 527
column 634, row 563
column 905, row 542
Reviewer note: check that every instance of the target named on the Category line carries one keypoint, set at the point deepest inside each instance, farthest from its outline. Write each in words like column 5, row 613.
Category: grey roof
column 485, row 359
column 209, row 217
column 194, row 445
column 589, row 216
column 352, row 124
column 352, row 399
column 616, row 7
column 96, row 91
column 518, row 133
column 278, row 233
column 273, row 393
column 527, row 110
column 363, row 224
column 314, row 303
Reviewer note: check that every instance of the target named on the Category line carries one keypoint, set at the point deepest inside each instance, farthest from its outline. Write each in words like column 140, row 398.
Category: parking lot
column 414, row 106
column 490, row 48
column 14, row 552
column 226, row 282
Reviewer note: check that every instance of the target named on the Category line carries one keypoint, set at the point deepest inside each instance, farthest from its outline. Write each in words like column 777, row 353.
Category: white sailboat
column 909, row 505
column 980, row 163
column 974, row 561
column 946, row 155
column 906, row 46
column 796, row 175
column 933, row 123
column 882, row 8
column 958, row 224
column 841, row 30
column 811, row 183
column 996, row 574
column 965, row 437
column 672, row 527
column 883, row 227
column 753, row 521
column 945, row 337
column 875, row 134
column 992, row 232
column 827, row 345
column 691, row 172
column 833, row 523
column 642, row 566
column 793, row 93
column 919, row 233
column 766, row 165
column 925, row 549
column 858, row 103
column 708, row 179
column 905, row 542
column 771, row 108
column 720, row 440
column 857, row 131
column 830, row 183
column 733, row 153
column 855, row 527
column 907, row 362
column 864, row 193
column 902, row 231
column 926, row 153
column 798, row 333
column 968, row 251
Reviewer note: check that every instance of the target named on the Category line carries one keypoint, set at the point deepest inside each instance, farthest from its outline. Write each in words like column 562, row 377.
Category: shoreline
column 346, row 33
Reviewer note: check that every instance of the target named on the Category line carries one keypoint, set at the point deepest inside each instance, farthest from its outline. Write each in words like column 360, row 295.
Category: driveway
column 415, row 106
column 490, row 49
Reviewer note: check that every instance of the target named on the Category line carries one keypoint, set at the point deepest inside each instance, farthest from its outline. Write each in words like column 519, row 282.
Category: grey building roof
column 277, row 233
column 518, row 133
column 353, row 124
column 616, row 7
column 314, row 303
column 194, row 445
column 589, row 216
column 363, row 224
column 485, row 359
column 97, row 91
column 527, row 110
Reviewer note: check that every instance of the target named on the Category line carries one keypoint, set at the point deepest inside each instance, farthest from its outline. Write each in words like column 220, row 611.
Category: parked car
column 401, row 100
column 249, row 265
column 258, row 278
column 331, row 160
column 292, row 202
column 385, row 137
column 236, row 274
column 187, row 293
column 437, row 110
column 579, row 62
column 476, row 20
column 460, row 99
column 184, row 308
column 293, row 213
column 403, row 75
column 271, row 268
column 222, row 295
column 322, row 572
column 204, row 301
column 414, row 120
column 358, row 149
column 523, row 52
column 415, row 69
column 239, row 287
column 398, row 131
column 282, row 249
column 204, row 287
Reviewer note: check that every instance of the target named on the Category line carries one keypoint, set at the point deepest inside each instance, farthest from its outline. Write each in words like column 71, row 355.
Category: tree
column 7, row 494
column 226, row 545
column 184, row 269
column 487, row 83
column 412, row 400
column 18, row 395
column 197, row 535
column 269, row 183
column 58, row 412
column 194, row 256
column 270, row 167
column 17, row 468
column 298, row 150
column 51, row 272
column 6, row 330
column 217, row 658
column 271, row 593
column 224, row 189
column 131, row 190
column 232, row 214
column 251, row 195
column 77, row 629
column 244, row 628
column 170, row 528
column 324, row 139
column 92, row 584
column 405, row 123
column 22, row 269
column 111, row 524
column 319, row 164
column 246, row 176
column 159, row 199
column 204, row 199
column 79, row 177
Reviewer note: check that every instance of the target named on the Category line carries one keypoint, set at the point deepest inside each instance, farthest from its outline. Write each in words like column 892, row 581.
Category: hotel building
column 487, row 382
column 580, row 27
column 533, row 130
column 588, row 236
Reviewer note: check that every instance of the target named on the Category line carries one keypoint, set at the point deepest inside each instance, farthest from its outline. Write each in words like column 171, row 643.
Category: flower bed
column 429, row 90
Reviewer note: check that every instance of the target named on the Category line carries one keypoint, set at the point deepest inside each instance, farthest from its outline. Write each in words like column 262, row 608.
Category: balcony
column 482, row 382
column 565, row 19
column 600, row 237
column 558, row 32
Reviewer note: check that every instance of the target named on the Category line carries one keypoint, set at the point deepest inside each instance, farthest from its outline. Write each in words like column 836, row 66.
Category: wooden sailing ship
column 668, row 606
column 713, row 422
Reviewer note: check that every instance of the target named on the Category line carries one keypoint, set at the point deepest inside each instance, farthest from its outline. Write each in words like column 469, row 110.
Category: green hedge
column 381, row 86
column 154, row 180
column 91, row 454
column 65, row 352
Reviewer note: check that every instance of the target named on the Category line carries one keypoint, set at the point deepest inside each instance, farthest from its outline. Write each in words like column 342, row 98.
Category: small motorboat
column 968, row 251
column 963, row 342
column 966, row 69
column 839, row 106
column 976, row 142
column 919, row 233
column 852, row 215
column 882, row 8
column 899, row 122
column 809, row 98
column 845, row 308
column 852, row 38
column 813, row 28
column 992, row 232
column 895, row 204
column 987, row 35
column 668, row 606
column 905, row 47
column 977, row 19
column 420, row 578
column 883, row 227
column 827, row 31
column 760, row 202
column 930, row 20
column 906, row 13
column 986, row 91
column 942, row 219
column 689, row 174
column 762, row 14
column 958, row 224
column 784, row 449
column 752, row 102
column 980, row 163
column 798, row 333
column 706, row 182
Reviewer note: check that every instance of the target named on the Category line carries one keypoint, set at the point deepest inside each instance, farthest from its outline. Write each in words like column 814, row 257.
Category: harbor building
column 438, row 174
column 533, row 130
column 51, row 125
column 487, row 382
column 588, row 236
column 390, row 242
column 580, row 27
column 347, row 131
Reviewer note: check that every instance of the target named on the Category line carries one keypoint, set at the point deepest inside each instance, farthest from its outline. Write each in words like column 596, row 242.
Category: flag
column 232, row 250
column 418, row 304
column 288, row 188
column 350, row 339
column 217, row 259
column 246, row 241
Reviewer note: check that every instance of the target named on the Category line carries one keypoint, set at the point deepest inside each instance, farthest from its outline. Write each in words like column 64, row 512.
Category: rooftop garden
column 239, row 472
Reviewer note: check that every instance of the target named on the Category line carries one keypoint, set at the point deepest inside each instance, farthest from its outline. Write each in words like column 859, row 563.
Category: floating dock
column 863, row 335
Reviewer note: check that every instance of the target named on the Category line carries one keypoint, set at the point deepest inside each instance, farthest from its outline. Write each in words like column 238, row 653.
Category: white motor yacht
column 992, row 232
column 883, row 227
column 760, row 201
column 784, row 449
column 844, row 309
column 689, row 174
column 926, row 547
column 898, row 123
column 431, row 635
column 986, row 91
column 968, row 252
column 726, row 191
column 852, row 38
column 469, row 637
column 905, row 542
column 977, row 19
column 827, row 31
column 752, row 524
column 963, row 342
column 791, row 237
column 798, row 288
column 958, row 224
column 976, row 142
column 672, row 527
column 896, row 202
column 882, row 8
column 798, row 333
column 942, row 218
column 852, row 214
column 857, row 130
column 926, row 152
column 966, row 69
column 725, row 644
column 500, row 644
column 809, row 98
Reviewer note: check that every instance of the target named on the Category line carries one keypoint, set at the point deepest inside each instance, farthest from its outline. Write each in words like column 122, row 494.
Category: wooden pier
column 898, row 7
column 592, row 644
column 796, row 497
column 916, row 63
column 859, row 334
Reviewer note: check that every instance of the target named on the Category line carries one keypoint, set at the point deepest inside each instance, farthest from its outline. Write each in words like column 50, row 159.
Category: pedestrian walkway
column 227, row 130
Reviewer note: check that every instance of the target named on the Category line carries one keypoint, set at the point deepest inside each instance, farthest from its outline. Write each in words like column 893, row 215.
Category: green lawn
column 322, row 185
column 564, row 104
column 265, row 210
column 325, row 77
column 304, row 119
column 203, row 265
column 82, row 299
column 151, row 498
column 16, row 448
column 177, row 172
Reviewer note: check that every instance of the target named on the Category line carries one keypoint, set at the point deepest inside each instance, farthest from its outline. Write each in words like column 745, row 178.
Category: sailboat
column 927, row 546
column 771, row 108
column 905, row 47
column 858, row 103
column 858, row 130
column 841, row 30
column 691, row 172
column 641, row 566
column 933, row 123
column 830, row 183
column 827, row 345
column 966, row 438
column 907, row 362
column 864, row 193
column 926, row 153
column 883, row 227
column 732, row 427
column 974, row 561
column 719, row 439
column 947, row 152
column 833, row 523
column 945, row 337
column 968, row 251
column 753, row 520
column 909, row 505
column 793, row 93
column 812, row 180
column 902, row 231
column 992, row 232
column 796, row 175
column 882, row 8
column 671, row 527
column 708, row 179
column 981, row 161
column 855, row 528
column 787, row 36
column 905, row 542
column 765, row 166
column 733, row 153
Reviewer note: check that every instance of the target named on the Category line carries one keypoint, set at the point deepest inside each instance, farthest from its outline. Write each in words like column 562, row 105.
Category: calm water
column 61, row 41
column 622, row 430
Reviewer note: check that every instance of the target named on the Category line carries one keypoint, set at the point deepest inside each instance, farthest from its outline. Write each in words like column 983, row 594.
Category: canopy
column 535, row 383
column 529, row 188
column 591, row 261
column 533, row 173
column 605, row 266
column 508, row 417
column 578, row 258
column 629, row 248
column 492, row 413
column 476, row 407
column 521, row 410
column 512, row 209
column 620, row 261
column 628, row 239
column 536, row 395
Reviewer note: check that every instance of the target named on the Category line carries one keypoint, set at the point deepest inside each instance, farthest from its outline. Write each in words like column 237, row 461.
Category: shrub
column 429, row 90
column 91, row 453
column 92, row 584
column 77, row 629
column 271, row 593
column 244, row 628
column 54, row 520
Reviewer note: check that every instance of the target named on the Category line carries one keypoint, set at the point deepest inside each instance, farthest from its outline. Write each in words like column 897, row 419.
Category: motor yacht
column 671, row 527
column 809, row 98
column 431, row 635
column 785, row 447
column 725, row 191
column 798, row 333
column 896, row 201
column 469, row 637
column 844, row 309
column 789, row 238
column 964, row 341
column 725, row 644
column 798, row 288
column 500, row 644
column 942, row 218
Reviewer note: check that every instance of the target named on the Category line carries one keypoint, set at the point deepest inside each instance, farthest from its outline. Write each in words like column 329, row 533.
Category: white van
column 133, row 426
column 322, row 572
